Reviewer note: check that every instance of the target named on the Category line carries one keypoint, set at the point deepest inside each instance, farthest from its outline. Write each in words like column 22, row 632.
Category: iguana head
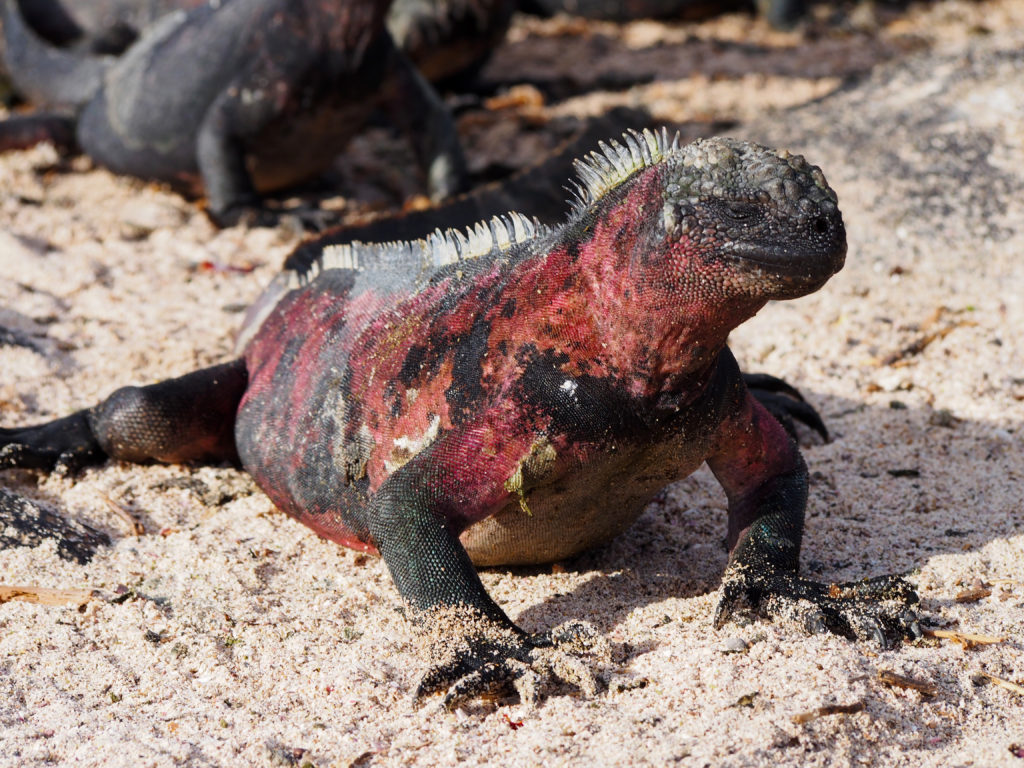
column 678, row 245
column 738, row 220
column 764, row 220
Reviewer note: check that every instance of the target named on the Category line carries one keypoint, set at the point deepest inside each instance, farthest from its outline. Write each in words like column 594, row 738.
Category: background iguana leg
column 423, row 117
column 765, row 479
column 25, row 131
column 182, row 419
column 220, row 154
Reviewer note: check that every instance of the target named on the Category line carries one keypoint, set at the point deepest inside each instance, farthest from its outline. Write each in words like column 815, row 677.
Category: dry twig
column 972, row 595
column 831, row 709
column 966, row 639
column 1008, row 685
column 900, row 681
column 135, row 528
column 44, row 595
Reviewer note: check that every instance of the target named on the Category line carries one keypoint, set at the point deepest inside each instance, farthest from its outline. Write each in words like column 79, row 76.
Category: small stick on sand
column 981, row 675
column 44, row 595
column 135, row 528
column 900, row 681
column 966, row 639
column 831, row 709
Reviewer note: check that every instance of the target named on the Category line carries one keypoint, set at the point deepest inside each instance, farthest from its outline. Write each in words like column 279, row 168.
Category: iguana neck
column 656, row 337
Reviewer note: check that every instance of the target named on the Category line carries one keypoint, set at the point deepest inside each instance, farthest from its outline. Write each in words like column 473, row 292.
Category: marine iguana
column 244, row 96
column 538, row 192
column 518, row 393
column 442, row 37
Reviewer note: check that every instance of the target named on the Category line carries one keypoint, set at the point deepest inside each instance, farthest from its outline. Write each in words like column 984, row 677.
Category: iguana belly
column 563, row 517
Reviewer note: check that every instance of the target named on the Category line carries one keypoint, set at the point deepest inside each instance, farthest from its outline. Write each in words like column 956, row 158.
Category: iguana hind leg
column 188, row 418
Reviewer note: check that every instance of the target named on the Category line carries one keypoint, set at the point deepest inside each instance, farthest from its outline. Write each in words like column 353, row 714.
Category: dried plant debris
column 977, row 591
column 746, row 700
column 830, row 709
column 981, row 676
column 25, row 523
column 45, row 595
column 966, row 639
column 895, row 680
column 936, row 326
column 134, row 525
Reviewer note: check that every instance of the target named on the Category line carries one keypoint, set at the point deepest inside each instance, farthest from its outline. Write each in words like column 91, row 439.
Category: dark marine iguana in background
column 518, row 394
column 442, row 37
column 244, row 96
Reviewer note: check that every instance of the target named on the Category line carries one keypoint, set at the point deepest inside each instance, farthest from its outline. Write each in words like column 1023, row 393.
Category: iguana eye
column 741, row 211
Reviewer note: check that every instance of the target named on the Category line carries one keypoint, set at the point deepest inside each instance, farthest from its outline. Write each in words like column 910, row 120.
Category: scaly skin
column 97, row 26
column 238, row 98
column 443, row 38
column 525, row 401
column 539, row 192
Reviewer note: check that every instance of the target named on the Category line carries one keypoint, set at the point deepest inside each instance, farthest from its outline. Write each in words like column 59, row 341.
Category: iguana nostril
column 821, row 225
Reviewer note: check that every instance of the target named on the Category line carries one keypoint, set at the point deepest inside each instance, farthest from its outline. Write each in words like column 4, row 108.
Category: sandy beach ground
column 227, row 634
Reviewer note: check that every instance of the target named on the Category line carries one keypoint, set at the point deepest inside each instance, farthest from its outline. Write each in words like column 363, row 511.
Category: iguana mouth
column 792, row 259
column 810, row 259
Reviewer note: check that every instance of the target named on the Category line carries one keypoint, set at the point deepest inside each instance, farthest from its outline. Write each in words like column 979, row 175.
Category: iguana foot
column 308, row 217
column 784, row 401
column 878, row 609
column 64, row 445
column 495, row 658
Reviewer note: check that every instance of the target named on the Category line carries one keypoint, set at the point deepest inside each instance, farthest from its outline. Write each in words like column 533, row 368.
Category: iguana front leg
column 765, row 479
column 220, row 155
column 414, row 520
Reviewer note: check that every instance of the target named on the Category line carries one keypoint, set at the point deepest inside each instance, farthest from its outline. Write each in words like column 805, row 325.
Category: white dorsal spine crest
column 427, row 254
column 613, row 163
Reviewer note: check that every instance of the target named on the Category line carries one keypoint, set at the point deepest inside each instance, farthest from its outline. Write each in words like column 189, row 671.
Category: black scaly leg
column 188, row 418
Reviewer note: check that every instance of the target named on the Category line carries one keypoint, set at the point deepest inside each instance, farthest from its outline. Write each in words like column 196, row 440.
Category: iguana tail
column 43, row 73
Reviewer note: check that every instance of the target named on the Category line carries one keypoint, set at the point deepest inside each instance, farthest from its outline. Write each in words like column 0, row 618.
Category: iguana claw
column 872, row 609
column 501, row 659
column 784, row 401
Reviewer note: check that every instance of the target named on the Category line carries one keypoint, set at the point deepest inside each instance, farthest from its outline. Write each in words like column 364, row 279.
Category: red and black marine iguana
column 518, row 394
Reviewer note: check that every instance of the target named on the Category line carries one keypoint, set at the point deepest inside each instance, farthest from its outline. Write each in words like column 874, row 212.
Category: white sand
column 246, row 640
